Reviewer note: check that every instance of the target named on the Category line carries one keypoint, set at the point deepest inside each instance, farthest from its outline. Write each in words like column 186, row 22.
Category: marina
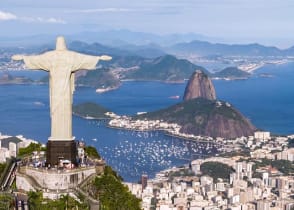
column 151, row 152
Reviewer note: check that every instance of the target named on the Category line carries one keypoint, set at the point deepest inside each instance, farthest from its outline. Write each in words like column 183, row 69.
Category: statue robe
column 61, row 65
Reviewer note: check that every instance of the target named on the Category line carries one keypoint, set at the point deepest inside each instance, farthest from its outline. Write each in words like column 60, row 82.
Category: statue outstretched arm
column 17, row 57
column 105, row 58
column 88, row 62
column 33, row 61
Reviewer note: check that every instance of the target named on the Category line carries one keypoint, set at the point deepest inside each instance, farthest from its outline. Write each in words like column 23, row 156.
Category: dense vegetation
column 92, row 152
column 181, row 172
column 2, row 168
column 37, row 202
column 29, row 149
column 186, row 111
column 90, row 110
column 6, row 201
column 216, row 170
column 284, row 166
column 100, row 78
column 113, row 194
column 244, row 152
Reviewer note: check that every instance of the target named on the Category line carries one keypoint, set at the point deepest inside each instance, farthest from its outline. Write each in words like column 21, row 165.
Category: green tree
column 29, row 149
column 284, row 166
column 216, row 170
column 109, row 171
column 35, row 200
column 2, row 168
column 6, row 201
column 92, row 152
column 113, row 195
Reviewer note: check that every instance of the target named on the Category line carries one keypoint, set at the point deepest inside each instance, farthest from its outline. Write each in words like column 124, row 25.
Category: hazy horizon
column 227, row 21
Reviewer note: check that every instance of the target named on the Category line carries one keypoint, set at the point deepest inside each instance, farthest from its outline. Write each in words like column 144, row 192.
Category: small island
column 91, row 111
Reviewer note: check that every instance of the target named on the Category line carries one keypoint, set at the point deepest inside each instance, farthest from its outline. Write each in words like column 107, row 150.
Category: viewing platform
column 55, row 182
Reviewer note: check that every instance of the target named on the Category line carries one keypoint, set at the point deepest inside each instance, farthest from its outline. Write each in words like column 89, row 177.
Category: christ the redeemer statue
column 61, row 65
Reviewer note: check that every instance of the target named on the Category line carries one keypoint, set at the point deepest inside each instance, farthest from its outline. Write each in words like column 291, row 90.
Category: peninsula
column 91, row 111
column 199, row 115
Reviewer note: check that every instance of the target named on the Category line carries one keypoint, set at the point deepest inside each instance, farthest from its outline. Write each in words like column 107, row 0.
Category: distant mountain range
column 196, row 47
column 125, row 42
column 203, row 48
column 152, row 61
column 123, row 37
column 165, row 68
column 108, row 37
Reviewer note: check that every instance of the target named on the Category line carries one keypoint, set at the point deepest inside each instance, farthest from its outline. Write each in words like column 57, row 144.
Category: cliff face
column 199, row 86
column 219, row 120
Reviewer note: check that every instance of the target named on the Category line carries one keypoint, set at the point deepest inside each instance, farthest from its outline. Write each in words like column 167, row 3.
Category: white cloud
column 50, row 20
column 56, row 20
column 43, row 20
column 100, row 10
column 7, row 16
column 4, row 16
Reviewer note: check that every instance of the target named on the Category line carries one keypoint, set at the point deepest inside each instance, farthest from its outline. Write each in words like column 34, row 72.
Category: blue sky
column 263, row 21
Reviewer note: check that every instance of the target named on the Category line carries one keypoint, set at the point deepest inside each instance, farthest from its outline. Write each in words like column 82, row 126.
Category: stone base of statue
column 61, row 150
column 55, row 182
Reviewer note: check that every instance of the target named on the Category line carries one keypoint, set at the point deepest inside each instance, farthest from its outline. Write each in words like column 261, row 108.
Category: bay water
column 267, row 100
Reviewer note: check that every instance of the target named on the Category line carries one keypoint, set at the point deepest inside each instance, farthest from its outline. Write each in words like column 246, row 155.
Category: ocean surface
column 267, row 101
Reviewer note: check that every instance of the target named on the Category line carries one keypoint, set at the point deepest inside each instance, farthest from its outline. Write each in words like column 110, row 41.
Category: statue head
column 60, row 43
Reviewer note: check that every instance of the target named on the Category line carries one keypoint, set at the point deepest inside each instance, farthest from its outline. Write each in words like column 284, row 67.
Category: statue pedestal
column 58, row 149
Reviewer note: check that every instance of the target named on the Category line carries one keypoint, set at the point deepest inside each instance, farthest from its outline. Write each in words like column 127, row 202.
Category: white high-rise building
column 262, row 135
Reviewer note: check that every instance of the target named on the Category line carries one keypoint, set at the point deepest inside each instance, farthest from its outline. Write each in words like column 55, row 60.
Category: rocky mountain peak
column 199, row 86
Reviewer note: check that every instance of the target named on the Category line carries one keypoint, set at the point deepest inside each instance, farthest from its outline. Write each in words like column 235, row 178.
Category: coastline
column 229, row 78
column 250, row 68
column 103, row 90
column 166, row 132
column 161, row 81
column 90, row 117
